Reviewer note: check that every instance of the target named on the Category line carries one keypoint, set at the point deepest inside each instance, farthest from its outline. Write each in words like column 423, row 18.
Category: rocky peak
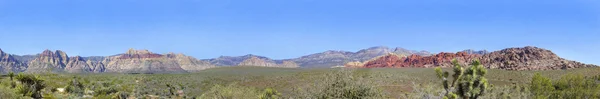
column 376, row 49
column 528, row 58
column 9, row 64
column 255, row 61
column 5, row 57
column 47, row 52
column 132, row 53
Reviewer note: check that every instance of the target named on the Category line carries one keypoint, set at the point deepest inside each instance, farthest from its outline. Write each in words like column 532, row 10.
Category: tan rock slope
column 144, row 61
column 528, row 58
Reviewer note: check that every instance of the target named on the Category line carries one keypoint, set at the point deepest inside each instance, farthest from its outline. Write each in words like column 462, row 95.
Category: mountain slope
column 340, row 58
column 144, row 61
column 8, row 63
column 234, row 61
column 526, row 58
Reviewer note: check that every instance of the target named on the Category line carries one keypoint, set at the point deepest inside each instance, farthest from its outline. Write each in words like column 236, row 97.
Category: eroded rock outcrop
column 49, row 61
column 9, row 64
column 528, row 58
column 340, row 58
column 144, row 61
column 78, row 65
column 442, row 59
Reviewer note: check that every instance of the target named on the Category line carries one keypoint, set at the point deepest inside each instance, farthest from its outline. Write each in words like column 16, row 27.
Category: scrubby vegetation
column 469, row 84
column 570, row 86
column 287, row 83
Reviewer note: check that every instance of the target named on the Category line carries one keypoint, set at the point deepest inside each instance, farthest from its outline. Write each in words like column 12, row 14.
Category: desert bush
column 270, row 94
column 231, row 91
column 422, row 91
column 569, row 86
column 507, row 92
column 31, row 85
column 469, row 84
column 340, row 84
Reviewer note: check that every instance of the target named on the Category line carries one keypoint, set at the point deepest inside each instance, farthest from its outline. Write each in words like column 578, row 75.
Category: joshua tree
column 30, row 85
column 270, row 94
column 12, row 82
column 11, row 75
column 469, row 84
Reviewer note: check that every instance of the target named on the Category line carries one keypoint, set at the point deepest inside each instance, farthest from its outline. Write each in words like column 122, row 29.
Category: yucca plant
column 30, row 85
column 466, row 84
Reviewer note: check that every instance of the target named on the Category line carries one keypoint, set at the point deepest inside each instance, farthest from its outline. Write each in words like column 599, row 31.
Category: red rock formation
column 441, row 59
column 526, row 58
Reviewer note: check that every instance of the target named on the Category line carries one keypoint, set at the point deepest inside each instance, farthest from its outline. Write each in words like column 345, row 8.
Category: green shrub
column 30, row 85
column 270, row 94
column 232, row 91
column 569, row 86
column 343, row 85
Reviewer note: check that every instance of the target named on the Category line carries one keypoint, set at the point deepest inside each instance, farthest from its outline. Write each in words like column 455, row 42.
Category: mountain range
column 144, row 61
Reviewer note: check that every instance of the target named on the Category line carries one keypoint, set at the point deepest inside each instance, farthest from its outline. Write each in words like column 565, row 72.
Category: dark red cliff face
column 441, row 59
column 139, row 56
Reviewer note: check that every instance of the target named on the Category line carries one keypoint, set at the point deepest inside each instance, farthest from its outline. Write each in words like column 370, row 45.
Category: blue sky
column 292, row 28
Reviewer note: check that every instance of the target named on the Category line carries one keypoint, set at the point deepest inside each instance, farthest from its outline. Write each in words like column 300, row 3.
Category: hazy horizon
column 289, row 29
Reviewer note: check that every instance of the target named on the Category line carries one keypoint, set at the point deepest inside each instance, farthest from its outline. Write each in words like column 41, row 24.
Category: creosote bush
column 469, row 84
column 569, row 86
column 343, row 84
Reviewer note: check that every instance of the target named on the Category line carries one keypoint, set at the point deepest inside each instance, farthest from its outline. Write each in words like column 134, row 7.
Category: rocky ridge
column 526, row 58
column 8, row 63
column 256, row 61
column 340, row 58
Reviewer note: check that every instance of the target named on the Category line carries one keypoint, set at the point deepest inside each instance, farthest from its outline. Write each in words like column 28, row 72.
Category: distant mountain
column 25, row 58
column 526, row 58
column 144, row 61
column 133, row 61
column 234, row 61
column 340, row 58
column 49, row 61
column 8, row 63
column 256, row 61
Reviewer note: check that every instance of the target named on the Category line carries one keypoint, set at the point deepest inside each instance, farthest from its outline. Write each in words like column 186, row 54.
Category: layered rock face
column 133, row 61
column 9, row 64
column 340, row 58
column 527, row 58
column 441, row 59
column 49, row 61
column 78, row 65
column 144, row 61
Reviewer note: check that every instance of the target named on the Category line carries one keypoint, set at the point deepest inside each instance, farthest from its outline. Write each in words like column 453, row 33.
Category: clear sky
column 291, row 28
